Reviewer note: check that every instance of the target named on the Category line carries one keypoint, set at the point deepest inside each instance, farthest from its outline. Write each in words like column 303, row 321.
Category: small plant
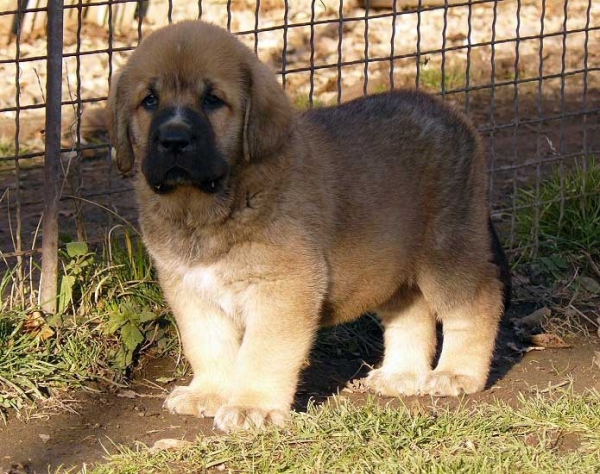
column 110, row 313
column 7, row 281
column 431, row 77
column 77, row 262
column 135, row 326
column 8, row 151
column 302, row 102
column 424, row 437
column 567, row 211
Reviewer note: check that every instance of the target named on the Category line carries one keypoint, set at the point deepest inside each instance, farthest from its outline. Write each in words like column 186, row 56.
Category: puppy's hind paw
column 235, row 418
column 394, row 384
column 450, row 384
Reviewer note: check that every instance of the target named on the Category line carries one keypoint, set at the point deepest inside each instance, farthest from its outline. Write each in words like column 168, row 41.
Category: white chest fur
column 212, row 286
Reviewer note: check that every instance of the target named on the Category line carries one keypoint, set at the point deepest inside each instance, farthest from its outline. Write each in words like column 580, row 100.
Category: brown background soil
column 107, row 419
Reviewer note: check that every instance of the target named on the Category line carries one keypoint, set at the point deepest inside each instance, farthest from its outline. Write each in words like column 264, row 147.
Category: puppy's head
column 191, row 105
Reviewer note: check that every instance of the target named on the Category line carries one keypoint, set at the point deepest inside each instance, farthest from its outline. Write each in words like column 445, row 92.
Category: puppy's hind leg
column 410, row 343
column 470, row 328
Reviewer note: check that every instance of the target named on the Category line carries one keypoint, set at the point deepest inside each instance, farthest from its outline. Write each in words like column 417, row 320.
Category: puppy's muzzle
column 182, row 152
column 174, row 139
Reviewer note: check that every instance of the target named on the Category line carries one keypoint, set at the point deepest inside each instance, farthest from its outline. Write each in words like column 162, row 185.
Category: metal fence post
column 49, row 283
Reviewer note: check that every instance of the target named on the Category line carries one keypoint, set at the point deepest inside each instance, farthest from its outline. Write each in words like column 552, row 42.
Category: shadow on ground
column 135, row 415
column 334, row 366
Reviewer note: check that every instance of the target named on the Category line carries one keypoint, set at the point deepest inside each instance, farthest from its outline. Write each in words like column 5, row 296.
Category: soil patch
column 134, row 415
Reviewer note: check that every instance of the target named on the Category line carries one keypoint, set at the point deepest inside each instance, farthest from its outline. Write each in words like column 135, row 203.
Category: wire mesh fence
column 525, row 71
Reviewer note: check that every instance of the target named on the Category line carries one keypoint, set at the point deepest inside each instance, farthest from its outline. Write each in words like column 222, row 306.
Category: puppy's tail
column 499, row 259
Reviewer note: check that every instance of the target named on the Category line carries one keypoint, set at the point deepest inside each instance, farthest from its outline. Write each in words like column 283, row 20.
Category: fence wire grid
column 524, row 71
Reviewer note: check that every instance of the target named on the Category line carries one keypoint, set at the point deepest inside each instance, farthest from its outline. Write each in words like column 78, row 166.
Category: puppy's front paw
column 450, row 384
column 193, row 401
column 394, row 384
column 233, row 418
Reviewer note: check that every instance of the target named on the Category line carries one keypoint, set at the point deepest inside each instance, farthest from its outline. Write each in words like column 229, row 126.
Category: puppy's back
column 409, row 194
column 406, row 118
column 408, row 151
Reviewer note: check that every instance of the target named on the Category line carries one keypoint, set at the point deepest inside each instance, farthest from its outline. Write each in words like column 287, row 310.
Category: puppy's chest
column 213, row 284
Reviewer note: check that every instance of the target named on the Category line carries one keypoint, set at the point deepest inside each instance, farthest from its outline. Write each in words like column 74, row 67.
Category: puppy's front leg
column 211, row 342
column 281, row 323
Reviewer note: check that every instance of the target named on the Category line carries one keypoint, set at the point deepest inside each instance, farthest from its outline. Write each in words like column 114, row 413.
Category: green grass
column 33, row 368
column 563, row 214
column 567, row 209
column 110, row 312
column 545, row 433
column 7, row 148
column 302, row 102
column 430, row 77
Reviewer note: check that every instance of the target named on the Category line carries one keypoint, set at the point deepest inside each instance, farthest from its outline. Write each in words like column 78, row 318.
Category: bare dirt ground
column 97, row 422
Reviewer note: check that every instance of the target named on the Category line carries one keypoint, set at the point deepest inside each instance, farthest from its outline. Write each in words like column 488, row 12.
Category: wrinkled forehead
column 188, row 57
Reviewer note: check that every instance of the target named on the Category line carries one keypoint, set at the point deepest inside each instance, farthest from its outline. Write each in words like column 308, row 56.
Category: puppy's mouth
column 177, row 177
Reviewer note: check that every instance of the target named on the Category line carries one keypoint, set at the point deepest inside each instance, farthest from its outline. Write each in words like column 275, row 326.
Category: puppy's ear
column 268, row 114
column 118, row 124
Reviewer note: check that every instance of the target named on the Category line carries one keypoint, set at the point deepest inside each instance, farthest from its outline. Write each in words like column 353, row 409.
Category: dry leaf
column 36, row 324
column 169, row 443
column 549, row 341
column 33, row 321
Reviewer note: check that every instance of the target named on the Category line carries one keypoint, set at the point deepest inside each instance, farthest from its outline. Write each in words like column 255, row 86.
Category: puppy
column 265, row 224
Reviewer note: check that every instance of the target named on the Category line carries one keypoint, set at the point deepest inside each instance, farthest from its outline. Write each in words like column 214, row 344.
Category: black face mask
column 183, row 153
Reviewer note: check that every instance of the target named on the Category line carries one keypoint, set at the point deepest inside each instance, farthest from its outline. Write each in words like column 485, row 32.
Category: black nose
column 174, row 139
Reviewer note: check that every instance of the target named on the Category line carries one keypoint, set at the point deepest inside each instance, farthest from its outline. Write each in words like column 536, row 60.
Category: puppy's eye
column 212, row 102
column 150, row 102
